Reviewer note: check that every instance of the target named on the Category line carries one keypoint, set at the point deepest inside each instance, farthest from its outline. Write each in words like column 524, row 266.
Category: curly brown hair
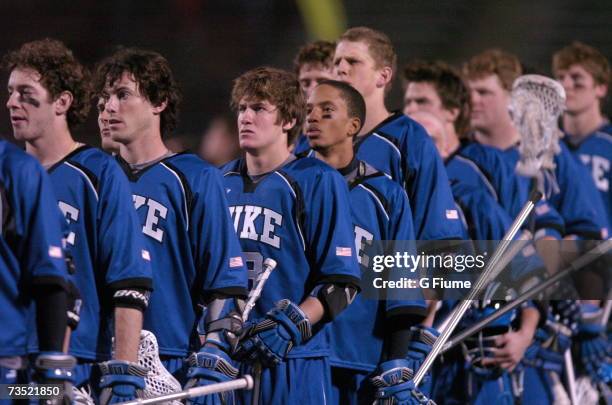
column 578, row 53
column 278, row 87
column 315, row 53
column 448, row 84
column 59, row 71
column 153, row 76
column 505, row 65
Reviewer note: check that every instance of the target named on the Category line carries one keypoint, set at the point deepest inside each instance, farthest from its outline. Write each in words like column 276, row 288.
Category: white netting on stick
column 158, row 380
column 535, row 106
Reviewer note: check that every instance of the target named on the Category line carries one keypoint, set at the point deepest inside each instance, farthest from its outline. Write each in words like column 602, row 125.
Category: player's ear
column 63, row 102
column 354, row 125
column 288, row 125
column 157, row 109
column 451, row 114
column 601, row 90
column 385, row 75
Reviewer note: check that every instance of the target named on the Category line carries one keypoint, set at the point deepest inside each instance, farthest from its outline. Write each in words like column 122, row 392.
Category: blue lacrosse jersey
column 573, row 195
column 595, row 152
column 298, row 215
column 381, row 212
column 103, row 240
column 183, row 215
column 31, row 252
column 512, row 190
column 401, row 148
column 473, row 192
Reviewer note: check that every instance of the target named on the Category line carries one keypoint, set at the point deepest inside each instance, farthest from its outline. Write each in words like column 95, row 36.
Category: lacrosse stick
column 535, row 105
column 158, row 381
column 269, row 265
column 245, row 382
column 584, row 260
column 480, row 284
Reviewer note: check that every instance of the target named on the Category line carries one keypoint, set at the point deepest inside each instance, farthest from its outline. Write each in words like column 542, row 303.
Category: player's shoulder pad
column 15, row 163
column 190, row 167
column 304, row 166
column 232, row 167
column 401, row 127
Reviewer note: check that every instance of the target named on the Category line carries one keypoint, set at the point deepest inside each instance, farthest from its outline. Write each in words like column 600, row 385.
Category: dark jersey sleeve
column 120, row 240
column 215, row 245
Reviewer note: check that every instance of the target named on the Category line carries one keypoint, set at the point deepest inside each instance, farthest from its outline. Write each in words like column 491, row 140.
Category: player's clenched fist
column 270, row 340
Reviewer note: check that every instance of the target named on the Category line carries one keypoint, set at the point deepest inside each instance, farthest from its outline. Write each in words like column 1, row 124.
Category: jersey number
column 254, row 261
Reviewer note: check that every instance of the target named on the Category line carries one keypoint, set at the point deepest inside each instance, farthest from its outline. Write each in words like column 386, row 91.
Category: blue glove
column 121, row 381
column 270, row 340
column 594, row 349
column 210, row 366
column 395, row 386
column 422, row 339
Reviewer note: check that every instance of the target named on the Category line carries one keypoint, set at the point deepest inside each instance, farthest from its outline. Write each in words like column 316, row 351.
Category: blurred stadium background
column 208, row 43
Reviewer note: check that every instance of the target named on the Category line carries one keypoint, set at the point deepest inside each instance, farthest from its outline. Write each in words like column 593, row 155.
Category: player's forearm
column 313, row 309
column 529, row 321
column 128, row 324
column 51, row 318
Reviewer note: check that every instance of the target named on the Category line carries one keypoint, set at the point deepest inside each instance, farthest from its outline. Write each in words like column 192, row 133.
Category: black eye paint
column 29, row 100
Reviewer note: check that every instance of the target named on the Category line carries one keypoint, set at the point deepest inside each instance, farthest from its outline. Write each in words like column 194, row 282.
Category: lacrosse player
column 294, row 210
column 436, row 97
column 183, row 214
column 391, row 142
column 313, row 64
column 381, row 211
column 34, row 271
column 568, row 188
column 585, row 75
column 48, row 96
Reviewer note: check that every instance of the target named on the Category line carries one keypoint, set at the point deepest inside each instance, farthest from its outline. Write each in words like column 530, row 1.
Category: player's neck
column 376, row 112
column 452, row 142
column 264, row 161
column 502, row 136
column 583, row 123
column 337, row 156
column 144, row 148
column 53, row 146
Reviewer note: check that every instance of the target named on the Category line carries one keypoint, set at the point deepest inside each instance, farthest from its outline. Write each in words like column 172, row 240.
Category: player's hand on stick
column 210, row 366
column 509, row 351
column 594, row 347
column 395, row 386
column 56, row 368
column 270, row 340
column 121, row 381
column 422, row 339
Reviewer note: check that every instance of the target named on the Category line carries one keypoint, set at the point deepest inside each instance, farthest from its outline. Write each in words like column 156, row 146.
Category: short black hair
column 355, row 104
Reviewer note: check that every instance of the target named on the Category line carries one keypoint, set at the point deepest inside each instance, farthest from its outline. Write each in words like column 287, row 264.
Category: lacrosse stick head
column 535, row 106
column 158, row 381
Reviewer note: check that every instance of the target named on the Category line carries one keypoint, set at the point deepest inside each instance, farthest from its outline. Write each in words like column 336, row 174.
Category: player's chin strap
column 583, row 261
column 480, row 284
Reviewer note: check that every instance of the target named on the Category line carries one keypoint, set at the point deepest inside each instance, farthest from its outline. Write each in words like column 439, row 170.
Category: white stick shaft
column 479, row 285
column 245, row 382
column 269, row 265
column 571, row 377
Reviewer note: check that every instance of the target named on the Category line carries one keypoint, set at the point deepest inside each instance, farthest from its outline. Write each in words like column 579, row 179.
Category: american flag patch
column 55, row 251
column 542, row 209
column 452, row 214
column 235, row 261
column 145, row 255
column 343, row 251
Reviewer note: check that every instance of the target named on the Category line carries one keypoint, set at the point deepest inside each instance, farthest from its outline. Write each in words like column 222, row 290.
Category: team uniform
column 30, row 251
column 105, row 246
column 181, row 207
column 298, row 215
column 595, row 152
column 381, row 212
column 459, row 378
column 402, row 149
